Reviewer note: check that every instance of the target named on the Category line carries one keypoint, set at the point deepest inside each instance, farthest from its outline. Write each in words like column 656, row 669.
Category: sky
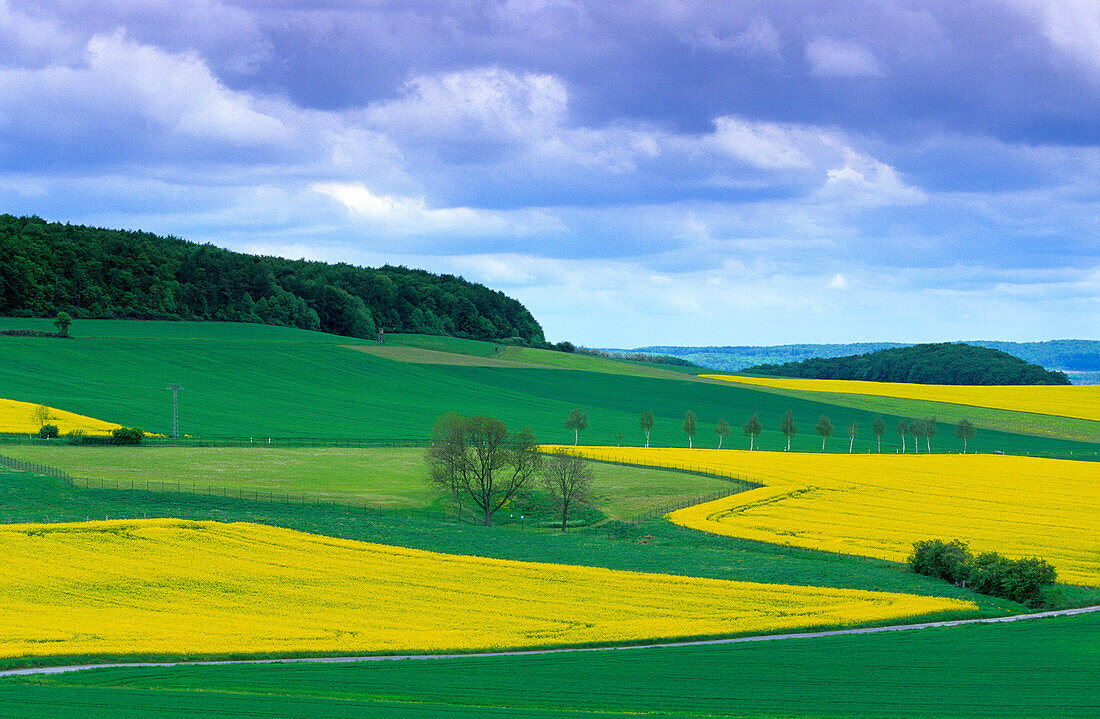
column 635, row 172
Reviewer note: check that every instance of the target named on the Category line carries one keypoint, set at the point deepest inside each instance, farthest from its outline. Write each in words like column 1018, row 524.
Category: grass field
column 1077, row 401
column 174, row 587
column 1027, row 669
column 301, row 384
column 878, row 505
column 384, row 477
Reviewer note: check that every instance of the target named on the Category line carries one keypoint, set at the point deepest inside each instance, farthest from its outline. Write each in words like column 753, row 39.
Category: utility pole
column 175, row 410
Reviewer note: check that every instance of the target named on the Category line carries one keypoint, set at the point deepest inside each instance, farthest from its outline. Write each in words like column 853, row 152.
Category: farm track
column 528, row 652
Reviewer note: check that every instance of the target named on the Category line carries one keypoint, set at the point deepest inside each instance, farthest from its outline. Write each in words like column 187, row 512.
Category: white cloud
column 412, row 215
column 837, row 58
column 1072, row 26
column 866, row 181
column 838, row 282
column 766, row 145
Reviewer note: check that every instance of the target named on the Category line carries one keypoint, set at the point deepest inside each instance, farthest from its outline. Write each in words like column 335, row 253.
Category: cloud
column 397, row 215
column 838, row 282
column 838, row 58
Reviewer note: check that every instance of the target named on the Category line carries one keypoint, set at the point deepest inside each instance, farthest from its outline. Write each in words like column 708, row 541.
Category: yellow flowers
column 1080, row 401
column 19, row 418
column 193, row 588
column 879, row 504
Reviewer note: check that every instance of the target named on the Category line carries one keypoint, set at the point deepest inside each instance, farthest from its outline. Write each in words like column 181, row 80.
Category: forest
column 94, row 273
column 941, row 363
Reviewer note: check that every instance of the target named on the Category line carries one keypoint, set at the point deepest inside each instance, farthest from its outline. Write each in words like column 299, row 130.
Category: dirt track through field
column 528, row 652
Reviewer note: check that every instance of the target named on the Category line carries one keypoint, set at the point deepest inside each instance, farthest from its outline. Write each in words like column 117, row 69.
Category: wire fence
column 258, row 442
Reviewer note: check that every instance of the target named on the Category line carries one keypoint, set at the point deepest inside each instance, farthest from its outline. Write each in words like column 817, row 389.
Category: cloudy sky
column 634, row 171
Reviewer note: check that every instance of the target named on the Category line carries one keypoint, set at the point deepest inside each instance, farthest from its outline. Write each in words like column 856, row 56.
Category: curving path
column 525, row 652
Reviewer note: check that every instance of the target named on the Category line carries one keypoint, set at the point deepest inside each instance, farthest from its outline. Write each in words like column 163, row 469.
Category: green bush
column 127, row 435
column 75, row 436
column 48, row 431
column 944, row 560
column 1019, row 580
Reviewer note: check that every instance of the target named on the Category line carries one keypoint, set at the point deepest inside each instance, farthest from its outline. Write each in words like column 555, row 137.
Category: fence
column 259, row 442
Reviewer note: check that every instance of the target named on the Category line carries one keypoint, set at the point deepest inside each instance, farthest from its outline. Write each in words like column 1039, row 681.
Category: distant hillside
column 113, row 274
column 1078, row 358
column 944, row 363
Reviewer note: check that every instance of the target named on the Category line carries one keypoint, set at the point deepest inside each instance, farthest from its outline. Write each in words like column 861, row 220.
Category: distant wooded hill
column 1077, row 356
column 96, row 273
column 945, row 363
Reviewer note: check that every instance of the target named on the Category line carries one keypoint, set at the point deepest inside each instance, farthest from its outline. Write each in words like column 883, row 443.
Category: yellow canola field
column 1079, row 401
column 877, row 505
column 18, row 418
column 197, row 588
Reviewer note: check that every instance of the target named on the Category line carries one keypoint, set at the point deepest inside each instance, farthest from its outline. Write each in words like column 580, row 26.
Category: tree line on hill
column 941, row 363
column 47, row 268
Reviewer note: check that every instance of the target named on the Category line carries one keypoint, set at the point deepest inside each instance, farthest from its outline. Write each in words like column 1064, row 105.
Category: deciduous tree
column 567, row 478
column 63, row 322
column 478, row 458
column 903, row 429
column 752, row 428
column 825, row 429
column 722, row 429
column 852, row 429
column 965, row 431
column 788, row 428
column 577, row 421
column 690, row 425
column 879, row 428
column 645, row 420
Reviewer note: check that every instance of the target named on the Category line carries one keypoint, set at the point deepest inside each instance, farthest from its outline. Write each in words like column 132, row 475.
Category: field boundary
column 30, row 671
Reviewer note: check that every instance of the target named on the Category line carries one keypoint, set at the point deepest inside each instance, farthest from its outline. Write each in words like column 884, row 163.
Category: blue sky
column 635, row 172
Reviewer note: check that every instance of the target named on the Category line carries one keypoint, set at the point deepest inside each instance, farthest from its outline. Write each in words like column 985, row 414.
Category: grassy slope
column 387, row 477
column 299, row 385
column 969, row 671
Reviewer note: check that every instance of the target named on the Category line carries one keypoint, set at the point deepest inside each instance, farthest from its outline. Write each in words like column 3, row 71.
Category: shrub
column 75, row 436
column 1019, row 580
column 935, row 558
column 48, row 431
column 127, row 435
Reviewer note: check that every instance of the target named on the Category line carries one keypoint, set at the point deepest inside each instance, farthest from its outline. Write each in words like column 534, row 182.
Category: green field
column 300, row 383
column 1027, row 669
column 382, row 477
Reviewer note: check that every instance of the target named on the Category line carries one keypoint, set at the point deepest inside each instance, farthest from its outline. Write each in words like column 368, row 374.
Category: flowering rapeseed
column 188, row 588
column 879, row 504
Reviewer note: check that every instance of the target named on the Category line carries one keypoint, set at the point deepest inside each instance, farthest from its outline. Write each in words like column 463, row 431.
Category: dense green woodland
column 89, row 272
column 943, row 363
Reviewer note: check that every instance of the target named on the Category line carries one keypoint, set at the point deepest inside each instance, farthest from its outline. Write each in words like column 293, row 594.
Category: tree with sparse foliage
column 479, row 458
column 690, row 425
column 852, row 429
column 965, row 431
column 903, row 429
column 577, row 421
column 645, row 420
column 567, row 477
column 722, row 429
column 752, row 428
column 619, row 438
column 825, row 429
column 788, row 428
column 929, row 433
column 40, row 415
column 63, row 322
column 916, row 427
column 879, row 428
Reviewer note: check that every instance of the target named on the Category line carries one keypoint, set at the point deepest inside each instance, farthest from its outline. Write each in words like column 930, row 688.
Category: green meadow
column 379, row 477
column 281, row 382
column 1033, row 668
